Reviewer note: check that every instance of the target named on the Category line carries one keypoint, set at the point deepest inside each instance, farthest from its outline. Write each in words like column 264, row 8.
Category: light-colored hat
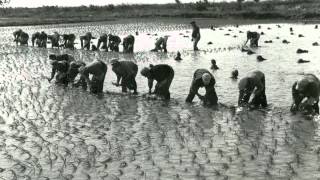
column 206, row 78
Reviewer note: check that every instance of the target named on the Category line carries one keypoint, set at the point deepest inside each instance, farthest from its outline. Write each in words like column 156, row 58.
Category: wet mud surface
column 51, row 132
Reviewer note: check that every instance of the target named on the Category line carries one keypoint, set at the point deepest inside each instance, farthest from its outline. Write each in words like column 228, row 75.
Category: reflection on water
column 51, row 132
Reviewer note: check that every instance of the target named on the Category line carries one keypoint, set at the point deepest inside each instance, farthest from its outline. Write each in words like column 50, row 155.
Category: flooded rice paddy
column 51, row 132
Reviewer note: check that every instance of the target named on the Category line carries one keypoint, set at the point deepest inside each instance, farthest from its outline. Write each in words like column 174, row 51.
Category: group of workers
column 65, row 69
column 105, row 41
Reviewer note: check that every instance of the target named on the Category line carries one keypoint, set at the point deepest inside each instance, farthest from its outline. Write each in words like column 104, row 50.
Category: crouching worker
column 305, row 94
column 98, row 70
column 60, row 71
column 161, row 44
column 203, row 78
column 114, row 42
column 128, row 44
column 254, row 38
column 86, row 40
column 103, row 40
column 252, row 83
column 126, row 72
column 73, row 73
column 163, row 74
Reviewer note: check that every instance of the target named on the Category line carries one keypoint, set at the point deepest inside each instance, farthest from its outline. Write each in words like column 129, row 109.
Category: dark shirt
column 128, row 40
column 161, row 72
column 114, row 39
column 252, row 35
column 196, row 32
column 65, row 57
column 125, row 68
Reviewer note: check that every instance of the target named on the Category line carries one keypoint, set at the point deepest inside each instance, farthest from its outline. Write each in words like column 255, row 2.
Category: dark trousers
column 210, row 98
column 162, row 88
column 97, row 84
column 129, row 82
column 62, row 78
column 260, row 99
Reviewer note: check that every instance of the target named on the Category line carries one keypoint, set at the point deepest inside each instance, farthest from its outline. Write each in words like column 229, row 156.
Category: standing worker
column 195, row 35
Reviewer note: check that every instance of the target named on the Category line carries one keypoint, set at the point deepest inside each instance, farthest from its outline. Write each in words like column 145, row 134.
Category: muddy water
column 49, row 132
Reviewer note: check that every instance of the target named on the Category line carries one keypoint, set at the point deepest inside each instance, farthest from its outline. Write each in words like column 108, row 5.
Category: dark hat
column 52, row 57
column 114, row 61
column 192, row 22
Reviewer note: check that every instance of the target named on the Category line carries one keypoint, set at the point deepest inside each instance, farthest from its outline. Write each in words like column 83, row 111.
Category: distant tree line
column 2, row 2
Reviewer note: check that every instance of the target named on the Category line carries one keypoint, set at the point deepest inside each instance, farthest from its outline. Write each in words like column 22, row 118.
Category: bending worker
column 161, row 44
column 98, row 70
column 163, row 74
column 253, row 83
column 254, row 38
column 203, row 78
column 126, row 72
column 305, row 94
column 128, row 44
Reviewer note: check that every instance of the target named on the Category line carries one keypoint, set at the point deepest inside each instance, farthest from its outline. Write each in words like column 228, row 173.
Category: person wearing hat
column 195, row 35
column 163, row 74
column 252, row 83
column 128, row 44
column 126, row 72
column 98, row 70
column 114, row 42
column 253, row 37
column 103, row 39
column 161, row 44
column 305, row 94
column 203, row 78
column 86, row 40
